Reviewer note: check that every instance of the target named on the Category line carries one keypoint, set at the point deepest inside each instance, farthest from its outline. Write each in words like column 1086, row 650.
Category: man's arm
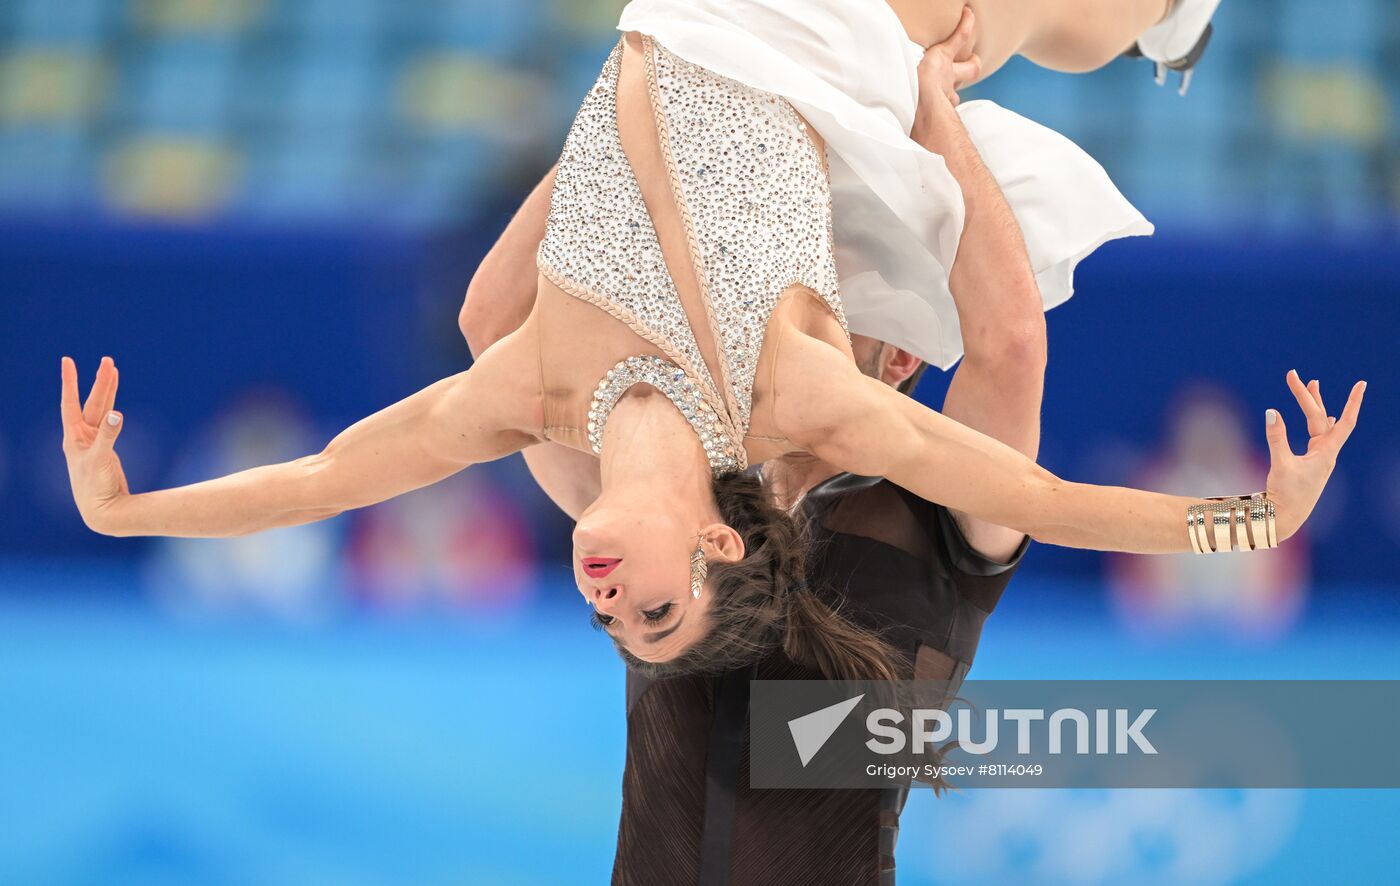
column 998, row 386
column 501, row 293
column 499, row 298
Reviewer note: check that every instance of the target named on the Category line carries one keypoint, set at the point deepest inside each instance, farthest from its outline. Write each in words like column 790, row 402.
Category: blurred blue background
column 268, row 213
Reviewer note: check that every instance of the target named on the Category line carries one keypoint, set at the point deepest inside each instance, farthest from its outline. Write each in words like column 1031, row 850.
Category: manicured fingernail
column 1271, row 416
column 1331, row 420
column 113, row 419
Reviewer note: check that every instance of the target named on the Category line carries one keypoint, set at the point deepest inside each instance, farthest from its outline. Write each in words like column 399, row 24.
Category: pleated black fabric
column 727, row 733
column 895, row 564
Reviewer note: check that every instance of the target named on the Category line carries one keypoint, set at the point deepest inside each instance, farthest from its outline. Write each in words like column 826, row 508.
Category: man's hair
column 909, row 384
column 871, row 367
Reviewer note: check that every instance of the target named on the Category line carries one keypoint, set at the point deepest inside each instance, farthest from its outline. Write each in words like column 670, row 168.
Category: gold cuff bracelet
column 1234, row 522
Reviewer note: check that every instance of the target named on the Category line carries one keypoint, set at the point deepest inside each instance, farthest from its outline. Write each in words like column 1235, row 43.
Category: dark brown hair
column 762, row 603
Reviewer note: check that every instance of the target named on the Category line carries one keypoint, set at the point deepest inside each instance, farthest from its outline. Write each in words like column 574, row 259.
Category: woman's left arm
column 860, row 425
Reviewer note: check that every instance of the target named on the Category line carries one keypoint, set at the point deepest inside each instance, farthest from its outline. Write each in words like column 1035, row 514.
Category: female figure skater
column 913, row 574
column 919, row 577
column 693, row 210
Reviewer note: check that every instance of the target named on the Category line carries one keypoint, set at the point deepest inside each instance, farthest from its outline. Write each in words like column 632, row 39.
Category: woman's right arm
column 862, row 426
column 470, row 417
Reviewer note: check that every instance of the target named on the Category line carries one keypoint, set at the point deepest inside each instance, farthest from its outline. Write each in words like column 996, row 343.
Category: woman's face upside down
column 633, row 566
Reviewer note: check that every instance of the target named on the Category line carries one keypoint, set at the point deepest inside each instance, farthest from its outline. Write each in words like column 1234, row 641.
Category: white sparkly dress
column 850, row 69
column 751, row 190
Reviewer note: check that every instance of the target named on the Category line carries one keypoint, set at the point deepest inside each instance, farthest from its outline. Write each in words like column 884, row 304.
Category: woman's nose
column 606, row 599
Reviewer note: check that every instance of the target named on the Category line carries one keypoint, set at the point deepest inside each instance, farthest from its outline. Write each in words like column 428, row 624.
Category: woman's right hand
column 949, row 66
column 89, row 436
column 1296, row 481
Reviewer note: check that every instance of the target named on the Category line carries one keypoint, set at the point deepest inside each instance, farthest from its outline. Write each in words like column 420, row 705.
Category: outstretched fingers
column 1310, row 404
column 107, row 430
column 959, row 43
column 967, row 71
column 1347, row 422
column 1315, row 388
column 1276, row 432
column 103, row 393
column 69, row 410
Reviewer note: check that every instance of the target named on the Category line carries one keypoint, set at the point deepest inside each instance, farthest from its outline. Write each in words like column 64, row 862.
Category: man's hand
column 950, row 65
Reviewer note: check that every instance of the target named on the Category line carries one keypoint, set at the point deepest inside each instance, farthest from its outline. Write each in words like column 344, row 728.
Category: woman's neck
column 650, row 450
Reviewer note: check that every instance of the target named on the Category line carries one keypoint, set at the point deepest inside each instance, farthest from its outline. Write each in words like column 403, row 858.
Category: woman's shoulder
column 803, row 345
column 813, row 384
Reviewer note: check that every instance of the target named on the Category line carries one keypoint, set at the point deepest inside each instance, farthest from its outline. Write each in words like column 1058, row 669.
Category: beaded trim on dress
column 724, row 454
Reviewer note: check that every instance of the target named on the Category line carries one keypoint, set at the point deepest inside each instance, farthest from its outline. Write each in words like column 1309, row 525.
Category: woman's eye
column 658, row 613
column 600, row 620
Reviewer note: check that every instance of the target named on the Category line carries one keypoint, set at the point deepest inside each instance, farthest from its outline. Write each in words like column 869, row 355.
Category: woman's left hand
column 1296, row 481
column 949, row 66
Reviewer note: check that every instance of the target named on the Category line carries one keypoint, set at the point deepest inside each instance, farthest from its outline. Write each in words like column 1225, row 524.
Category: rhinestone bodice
column 599, row 243
column 753, row 195
column 723, row 452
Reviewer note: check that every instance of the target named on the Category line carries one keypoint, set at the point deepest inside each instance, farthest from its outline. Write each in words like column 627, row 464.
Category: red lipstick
column 599, row 567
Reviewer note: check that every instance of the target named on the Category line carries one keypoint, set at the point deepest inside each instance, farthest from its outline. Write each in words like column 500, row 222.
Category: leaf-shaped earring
column 699, row 568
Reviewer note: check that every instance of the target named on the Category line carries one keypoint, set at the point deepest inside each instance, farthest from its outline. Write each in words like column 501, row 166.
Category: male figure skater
column 923, row 576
